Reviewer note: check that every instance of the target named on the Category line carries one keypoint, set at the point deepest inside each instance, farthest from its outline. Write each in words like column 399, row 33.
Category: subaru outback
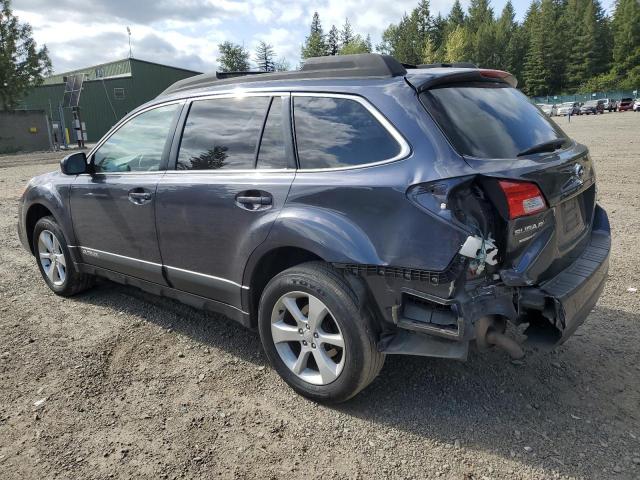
column 354, row 209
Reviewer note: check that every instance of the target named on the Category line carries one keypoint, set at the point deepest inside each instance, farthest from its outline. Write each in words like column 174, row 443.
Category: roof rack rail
column 338, row 66
column 356, row 65
column 238, row 73
column 448, row 65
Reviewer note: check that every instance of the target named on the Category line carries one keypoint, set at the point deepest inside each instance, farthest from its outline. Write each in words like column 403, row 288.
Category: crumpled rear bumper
column 567, row 298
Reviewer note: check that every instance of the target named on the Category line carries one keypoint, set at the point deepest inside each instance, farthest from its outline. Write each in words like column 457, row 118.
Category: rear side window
column 489, row 120
column 222, row 133
column 339, row 132
column 272, row 152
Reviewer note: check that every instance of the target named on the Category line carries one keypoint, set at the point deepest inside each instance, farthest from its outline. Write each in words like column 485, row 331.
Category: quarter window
column 339, row 132
column 222, row 133
column 139, row 144
column 272, row 152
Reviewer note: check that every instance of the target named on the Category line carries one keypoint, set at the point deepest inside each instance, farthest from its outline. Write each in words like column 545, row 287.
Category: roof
column 364, row 65
column 342, row 68
column 116, row 69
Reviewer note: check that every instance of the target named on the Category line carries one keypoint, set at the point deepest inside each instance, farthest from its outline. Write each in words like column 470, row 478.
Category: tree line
column 560, row 46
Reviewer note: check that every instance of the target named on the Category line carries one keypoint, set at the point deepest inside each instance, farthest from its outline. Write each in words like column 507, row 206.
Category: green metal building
column 109, row 92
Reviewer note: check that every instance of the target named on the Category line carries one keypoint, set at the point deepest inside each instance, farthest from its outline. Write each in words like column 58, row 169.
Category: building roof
column 116, row 69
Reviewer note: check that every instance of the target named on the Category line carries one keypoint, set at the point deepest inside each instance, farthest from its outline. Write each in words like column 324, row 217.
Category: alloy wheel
column 308, row 338
column 52, row 258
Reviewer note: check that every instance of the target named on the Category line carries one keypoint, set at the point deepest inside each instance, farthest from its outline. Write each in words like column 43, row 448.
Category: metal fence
column 582, row 97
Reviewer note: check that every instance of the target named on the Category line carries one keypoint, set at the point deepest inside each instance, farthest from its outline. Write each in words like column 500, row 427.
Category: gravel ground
column 118, row 383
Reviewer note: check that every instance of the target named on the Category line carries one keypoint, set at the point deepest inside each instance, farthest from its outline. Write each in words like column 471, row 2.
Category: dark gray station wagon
column 347, row 211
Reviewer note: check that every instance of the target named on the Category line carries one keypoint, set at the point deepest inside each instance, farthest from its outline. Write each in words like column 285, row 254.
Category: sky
column 186, row 33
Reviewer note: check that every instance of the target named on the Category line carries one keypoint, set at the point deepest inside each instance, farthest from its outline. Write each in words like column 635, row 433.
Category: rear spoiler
column 421, row 83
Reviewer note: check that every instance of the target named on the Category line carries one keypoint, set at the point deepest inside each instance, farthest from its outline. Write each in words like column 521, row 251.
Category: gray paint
column 194, row 239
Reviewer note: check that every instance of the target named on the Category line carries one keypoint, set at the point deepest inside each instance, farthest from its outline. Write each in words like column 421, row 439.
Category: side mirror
column 74, row 164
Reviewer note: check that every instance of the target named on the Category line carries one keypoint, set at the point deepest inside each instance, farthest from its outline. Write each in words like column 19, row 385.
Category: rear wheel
column 316, row 335
column 54, row 260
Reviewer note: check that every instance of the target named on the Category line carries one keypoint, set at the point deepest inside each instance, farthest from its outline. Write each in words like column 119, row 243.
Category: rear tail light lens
column 523, row 198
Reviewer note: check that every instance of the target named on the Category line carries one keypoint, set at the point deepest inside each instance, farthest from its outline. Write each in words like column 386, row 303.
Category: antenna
column 129, row 32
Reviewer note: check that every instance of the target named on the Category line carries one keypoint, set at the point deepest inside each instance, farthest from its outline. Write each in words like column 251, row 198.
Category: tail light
column 523, row 198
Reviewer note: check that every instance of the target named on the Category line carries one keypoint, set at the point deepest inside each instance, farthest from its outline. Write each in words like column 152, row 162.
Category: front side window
column 339, row 132
column 222, row 133
column 138, row 145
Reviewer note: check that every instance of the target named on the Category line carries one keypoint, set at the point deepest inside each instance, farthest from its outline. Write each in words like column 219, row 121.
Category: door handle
column 139, row 196
column 254, row 200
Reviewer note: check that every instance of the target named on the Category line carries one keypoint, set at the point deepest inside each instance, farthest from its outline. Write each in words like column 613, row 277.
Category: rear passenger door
column 233, row 167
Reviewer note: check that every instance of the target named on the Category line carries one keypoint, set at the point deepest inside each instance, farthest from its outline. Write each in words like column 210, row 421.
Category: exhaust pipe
column 489, row 333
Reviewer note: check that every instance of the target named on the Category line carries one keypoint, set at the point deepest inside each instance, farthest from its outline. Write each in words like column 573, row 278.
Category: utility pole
column 129, row 32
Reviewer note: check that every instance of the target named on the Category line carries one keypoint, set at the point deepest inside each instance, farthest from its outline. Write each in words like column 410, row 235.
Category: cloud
column 186, row 33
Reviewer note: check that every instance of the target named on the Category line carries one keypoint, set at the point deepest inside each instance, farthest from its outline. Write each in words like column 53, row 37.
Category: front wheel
column 316, row 334
column 54, row 260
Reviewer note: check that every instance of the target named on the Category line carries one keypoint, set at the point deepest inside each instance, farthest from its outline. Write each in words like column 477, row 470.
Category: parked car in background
column 550, row 110
column 592, row 107
column 568, row 108
column 610, row 104
column 636, row 105
column 338, row 213
column 625, row 104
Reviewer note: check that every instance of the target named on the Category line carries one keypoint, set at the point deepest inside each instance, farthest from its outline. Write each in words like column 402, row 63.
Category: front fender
column 50, row 191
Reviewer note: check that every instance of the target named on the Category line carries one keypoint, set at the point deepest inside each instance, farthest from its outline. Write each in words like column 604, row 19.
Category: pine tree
column 314, row 45
column 233, row 58
column 457, row 17
column 481, row 27
column 505, row 28
column 437, row 36
column 542, row 73
column 356, row 45
column 403, row 40
column 423, row 19
column 264, row 57
column 333, row 41
column 346, row 34
column 626, row 42
column 429, row 52
column 458, row 45
column 479, row 13
column 282, row 65
column 22, row 63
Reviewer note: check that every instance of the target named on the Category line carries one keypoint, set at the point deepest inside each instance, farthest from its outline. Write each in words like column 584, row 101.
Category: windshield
column 487, row 120
column 591, row 104
column 567, row 104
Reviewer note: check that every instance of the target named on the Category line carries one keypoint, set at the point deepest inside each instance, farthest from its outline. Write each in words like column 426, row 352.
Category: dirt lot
column 128, row 385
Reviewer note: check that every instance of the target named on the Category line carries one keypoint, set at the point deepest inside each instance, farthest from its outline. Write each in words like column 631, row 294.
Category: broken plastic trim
column 481, row 250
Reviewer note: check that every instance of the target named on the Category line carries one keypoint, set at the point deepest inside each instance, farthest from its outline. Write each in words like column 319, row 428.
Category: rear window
column 489, row 120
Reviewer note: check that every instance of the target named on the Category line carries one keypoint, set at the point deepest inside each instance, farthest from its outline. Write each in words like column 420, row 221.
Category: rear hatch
column 540, row 183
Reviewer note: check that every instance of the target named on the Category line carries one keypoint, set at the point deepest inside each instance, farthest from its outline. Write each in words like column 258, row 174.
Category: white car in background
column 550, row 110
column 568, row 108
column 636, row 105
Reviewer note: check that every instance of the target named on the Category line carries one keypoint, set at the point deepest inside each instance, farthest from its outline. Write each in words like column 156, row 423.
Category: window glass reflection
column 222, row 133
column 137, row 146
column 489, row 121
column 339, row 132
column 272, row 152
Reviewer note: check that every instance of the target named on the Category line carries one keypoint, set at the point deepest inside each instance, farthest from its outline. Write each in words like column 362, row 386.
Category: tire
column 356, row 364
column 62, row 278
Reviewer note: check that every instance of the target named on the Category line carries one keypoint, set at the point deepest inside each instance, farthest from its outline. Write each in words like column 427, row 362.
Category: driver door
column 113, row 208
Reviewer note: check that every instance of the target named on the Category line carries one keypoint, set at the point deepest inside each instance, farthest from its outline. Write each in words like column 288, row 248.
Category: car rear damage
column 533, row 249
